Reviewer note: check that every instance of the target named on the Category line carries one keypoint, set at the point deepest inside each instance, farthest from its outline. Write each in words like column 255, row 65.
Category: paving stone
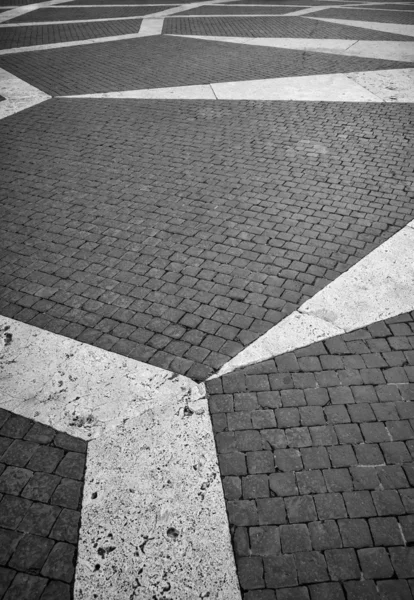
column 375, row 563
column 241, row 542
column 39, row 519
column 41, row 487
column 342, row 564
column 232, row 463
column 232, row 488
column 40, row 434
column 283, row 484
column 361, row 590
column 31, row 553
column 243, row 513
column 280, row 571
column 407, row 525
column 342, row 456
column 6, row 577
column 385, row 531
column 67, row 494
column 287, row 417
column 325, row 535
column 13, row 480
column 369, row 454
column 337, row 480
column 330, row 506
column 15, row 427
column 394, row 590
column 359, row 504
column 45, row 459
column 392, row 477
column 260, row 595
column 8, row 543
column 66, row 527
column 336, row 414
column 259, row 462
column 56, row 589
column 407, row 497
column 271, row 511
column 388, row 502
column 295, row 538
column 273, row 438
column 19, row 453
column 255, row 486
column 265, row 541
column 326, row 591
column 298, row 593
column 285, row 460
column 300, row 509
column 72, row 466
column 323, row 435
column 403, row 561
column 310, row 482
column 311, row 567
column 12, row 511
column 355, row 533
column 26, row 587
column 59, row 564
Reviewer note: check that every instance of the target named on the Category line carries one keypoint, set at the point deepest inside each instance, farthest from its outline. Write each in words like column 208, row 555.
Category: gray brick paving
column 324, row 507
column 274, row 27
column 184, row 248
column 41, row 475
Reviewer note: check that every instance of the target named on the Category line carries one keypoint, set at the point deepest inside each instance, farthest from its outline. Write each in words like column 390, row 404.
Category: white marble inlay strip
column 102, row 40
column 152, row 484
column 69, row 22
column 306, row 11
column 399, row 29
column 18, row 94
column 398, row 51
column 378, row 287
column 22, row 10
column 391, row 85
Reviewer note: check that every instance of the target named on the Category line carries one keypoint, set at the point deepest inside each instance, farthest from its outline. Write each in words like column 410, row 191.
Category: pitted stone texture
column 183, row 269
column 38, row 537
column 336, row 465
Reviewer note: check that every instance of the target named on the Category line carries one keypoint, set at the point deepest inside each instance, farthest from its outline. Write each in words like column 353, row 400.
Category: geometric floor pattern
column 316, row 453
column 232, row 159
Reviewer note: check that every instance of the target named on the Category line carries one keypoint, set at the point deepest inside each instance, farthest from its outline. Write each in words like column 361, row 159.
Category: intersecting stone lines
column 316, row 455
column 41, row 481
column 181, row 253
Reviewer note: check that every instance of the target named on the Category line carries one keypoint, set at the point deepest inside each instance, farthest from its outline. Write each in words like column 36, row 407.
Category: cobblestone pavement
column 177, row 232
column 41, row 477
column 316, row 454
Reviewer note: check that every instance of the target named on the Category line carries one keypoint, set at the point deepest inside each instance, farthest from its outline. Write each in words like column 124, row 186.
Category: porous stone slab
column 153, row 518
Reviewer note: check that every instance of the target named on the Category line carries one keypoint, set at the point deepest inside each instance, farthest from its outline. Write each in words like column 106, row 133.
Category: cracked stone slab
column 378, row 287
column 153, row 518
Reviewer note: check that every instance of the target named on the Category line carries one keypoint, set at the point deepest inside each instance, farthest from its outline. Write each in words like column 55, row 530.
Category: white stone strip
column 18, row 94
column 378, row 287
column 399, row 51
column 152, row 487
column 101, row 40
column 306, row 11
column 22, row 10
column 385, row 27
column 185, row 92
column 393, row 85
column 69, row 22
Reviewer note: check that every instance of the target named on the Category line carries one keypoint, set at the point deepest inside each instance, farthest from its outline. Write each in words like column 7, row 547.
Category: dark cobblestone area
column 216, row 9
column 274, row 27
column 377, row 16
column 316, row 455
column 41, row 480
column 171, row 61
column 16, row 37
column 180, row 253
column 72, row 12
